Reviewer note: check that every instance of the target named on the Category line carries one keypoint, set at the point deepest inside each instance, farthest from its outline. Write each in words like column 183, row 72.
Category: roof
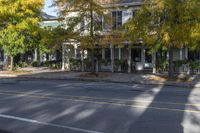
column 119, row 1
column 53, row 24
column 50, row 21
column 128, row 1
column 47, row 17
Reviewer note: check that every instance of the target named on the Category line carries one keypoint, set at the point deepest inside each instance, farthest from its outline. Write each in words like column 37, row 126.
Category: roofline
column 56, row 19
column 124, row 4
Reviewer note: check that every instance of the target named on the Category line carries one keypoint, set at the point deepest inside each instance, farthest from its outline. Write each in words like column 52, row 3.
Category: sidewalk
column 110, row 77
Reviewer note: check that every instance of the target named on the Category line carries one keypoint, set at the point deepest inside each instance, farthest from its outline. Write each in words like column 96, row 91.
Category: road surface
column 55, row 106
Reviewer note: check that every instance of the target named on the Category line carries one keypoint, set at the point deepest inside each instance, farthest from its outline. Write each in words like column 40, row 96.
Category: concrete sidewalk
column 111, row 77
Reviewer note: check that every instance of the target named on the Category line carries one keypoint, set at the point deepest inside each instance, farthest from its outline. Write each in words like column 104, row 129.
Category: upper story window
column 98, row 25
column 82, row 25
column 116, row 19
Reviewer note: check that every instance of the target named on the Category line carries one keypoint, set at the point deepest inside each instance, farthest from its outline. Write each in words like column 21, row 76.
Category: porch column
column 103, row 54
column 35, row 54
column 82, row 60
column 143, row 56
column 181, row 54
column 63, row 56
column 154, row 62
column 186, row 53
column 75, row 51
column 5, row 60
column 97, row 66
column 129, row 60
column 112, row 58
column 120, row 57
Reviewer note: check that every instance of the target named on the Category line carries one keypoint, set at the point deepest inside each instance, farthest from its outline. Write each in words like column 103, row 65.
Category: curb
column 187, row 85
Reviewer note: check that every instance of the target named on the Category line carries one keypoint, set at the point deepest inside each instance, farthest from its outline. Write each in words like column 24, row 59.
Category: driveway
column 54, row 106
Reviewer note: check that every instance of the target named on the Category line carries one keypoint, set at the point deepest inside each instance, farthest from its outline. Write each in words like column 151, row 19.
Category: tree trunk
column 11, row 63
column 82, row 60
column 92, row 36
column 171, row 69
column 93, row 61
column 63, row 56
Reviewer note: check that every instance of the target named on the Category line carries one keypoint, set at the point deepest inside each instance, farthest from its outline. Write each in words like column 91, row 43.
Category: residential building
column 137, row 57
column 49, row 21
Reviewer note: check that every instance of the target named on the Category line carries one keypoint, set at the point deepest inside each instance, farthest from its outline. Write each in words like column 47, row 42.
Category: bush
column 35, row 64
column 75, row 62
column 46, row 64
column 195, row 64
column 53, row 64
column 120, row 62
column 163, row 64
column 21, row 64
column 179, row 63
column 87, row 62
column 104, row 62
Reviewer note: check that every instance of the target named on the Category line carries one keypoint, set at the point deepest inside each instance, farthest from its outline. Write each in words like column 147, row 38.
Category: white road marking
column 47, row 124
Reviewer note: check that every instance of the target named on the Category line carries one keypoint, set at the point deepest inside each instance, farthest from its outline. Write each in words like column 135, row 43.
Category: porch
column 112, row 59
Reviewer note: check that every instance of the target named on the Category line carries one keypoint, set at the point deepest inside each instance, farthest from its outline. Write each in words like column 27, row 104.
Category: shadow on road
column 3, row 131
column 175, row 116
column 154, row 109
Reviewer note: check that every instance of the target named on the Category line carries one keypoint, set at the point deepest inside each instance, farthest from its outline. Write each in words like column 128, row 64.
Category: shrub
column 87, row 62
column 104, row 62
column 35, row 63
column 179, row 63
column 195, row 64
column 120, row 62
column 163, row 64
column 21, row 64
column 75, row 62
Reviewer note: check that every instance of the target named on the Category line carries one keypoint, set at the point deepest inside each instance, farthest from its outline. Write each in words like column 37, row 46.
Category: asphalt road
column 53, row 106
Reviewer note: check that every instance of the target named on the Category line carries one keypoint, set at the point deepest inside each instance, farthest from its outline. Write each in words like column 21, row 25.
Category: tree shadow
column 148, row 109
column 3, row 131
column 168, row 115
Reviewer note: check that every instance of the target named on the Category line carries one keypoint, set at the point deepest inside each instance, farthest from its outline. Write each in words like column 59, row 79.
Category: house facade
column 135, row 57
column 49, row 21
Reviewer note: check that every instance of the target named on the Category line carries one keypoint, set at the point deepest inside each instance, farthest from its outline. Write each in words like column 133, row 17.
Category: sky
column 49, row 10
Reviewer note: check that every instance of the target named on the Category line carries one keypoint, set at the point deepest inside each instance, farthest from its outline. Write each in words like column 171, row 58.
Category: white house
column 137, row 57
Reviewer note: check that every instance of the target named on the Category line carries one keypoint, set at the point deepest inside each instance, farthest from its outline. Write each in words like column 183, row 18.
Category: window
column 116, row 19
column 82, row 25
column 98, row 25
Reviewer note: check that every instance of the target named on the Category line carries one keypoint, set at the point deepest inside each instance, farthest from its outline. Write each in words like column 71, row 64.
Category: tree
column 167, row 23
column 52, row 38
column 19, row 25
column 88, row 13
column 13, row 43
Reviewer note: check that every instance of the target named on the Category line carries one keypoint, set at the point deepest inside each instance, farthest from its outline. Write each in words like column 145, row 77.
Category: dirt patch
column 175, row 79
column 16, row 72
